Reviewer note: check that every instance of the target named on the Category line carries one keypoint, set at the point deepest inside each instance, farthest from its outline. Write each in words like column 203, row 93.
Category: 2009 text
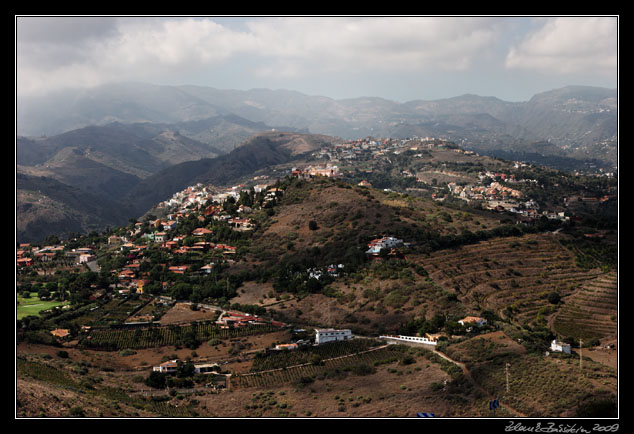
column 552, row 427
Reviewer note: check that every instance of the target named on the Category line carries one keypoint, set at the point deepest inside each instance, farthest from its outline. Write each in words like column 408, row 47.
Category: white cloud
column 405, row 43
column 569, row 45
column 139, row 49
column 74, row 51
column 54, row 52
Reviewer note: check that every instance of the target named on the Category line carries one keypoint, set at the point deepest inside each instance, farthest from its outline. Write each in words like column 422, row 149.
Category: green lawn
column 33, row 305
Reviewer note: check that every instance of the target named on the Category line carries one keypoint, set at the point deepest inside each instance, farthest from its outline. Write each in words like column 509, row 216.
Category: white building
column 167, row 367
column 375, row 246
column 473, row 320
column 206, row 368
column 330, row 335
column 415, row 339
column 86, row 257
column 560, row 346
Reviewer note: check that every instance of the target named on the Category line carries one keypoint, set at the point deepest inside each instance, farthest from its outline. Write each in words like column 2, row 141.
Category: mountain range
column 573, row 118
column 131, row 145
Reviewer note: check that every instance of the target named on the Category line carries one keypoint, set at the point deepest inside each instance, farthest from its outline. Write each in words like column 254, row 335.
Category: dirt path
column 468, row 375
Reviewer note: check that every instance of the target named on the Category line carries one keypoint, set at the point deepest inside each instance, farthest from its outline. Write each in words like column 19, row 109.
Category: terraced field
column 148, row 337
column 590, row 312
column 344, row 356
column 511, row 276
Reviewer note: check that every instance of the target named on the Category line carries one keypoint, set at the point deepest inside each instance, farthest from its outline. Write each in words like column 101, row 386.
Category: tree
column 52, row 239
column 153, row 288
column 43, row 293
column 554, row 297
column 186, row 369
column 315, row 359
column 181, row 291
column 77, row 412
column 312, row 225
column 189, row 340
column 437, row 322
column 156, row 380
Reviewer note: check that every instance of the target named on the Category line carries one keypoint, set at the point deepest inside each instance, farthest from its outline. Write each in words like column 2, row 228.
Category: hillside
column 223, row 132
column 509, row 275
column 453, row 264
column 258, row 152
column 138, row 149
column 75, row 167
column 45, row 206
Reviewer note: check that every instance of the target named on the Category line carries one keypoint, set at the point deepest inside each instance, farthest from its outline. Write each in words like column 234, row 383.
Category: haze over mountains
column 131, row 145
column 575, row 116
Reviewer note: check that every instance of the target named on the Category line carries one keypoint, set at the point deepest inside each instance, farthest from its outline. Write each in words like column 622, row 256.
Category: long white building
column 330, row 335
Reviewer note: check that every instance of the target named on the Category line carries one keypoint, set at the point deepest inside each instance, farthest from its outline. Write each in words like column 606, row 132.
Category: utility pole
column 580, row 354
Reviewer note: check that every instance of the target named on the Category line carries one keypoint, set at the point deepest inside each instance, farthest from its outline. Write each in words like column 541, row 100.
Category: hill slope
column 262, row 150
column 138, row 149
column 452, row 266
column 45, row 206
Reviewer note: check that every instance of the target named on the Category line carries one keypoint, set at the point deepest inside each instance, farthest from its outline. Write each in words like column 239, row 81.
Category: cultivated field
column 591, row 312
column 511, row 276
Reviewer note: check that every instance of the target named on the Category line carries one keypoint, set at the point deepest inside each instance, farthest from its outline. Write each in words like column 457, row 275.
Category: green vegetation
column 32, row 305
column 591, row 254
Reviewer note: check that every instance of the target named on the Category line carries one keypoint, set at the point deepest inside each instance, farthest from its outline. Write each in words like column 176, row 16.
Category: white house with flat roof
column 330, row 335
column 561, row 347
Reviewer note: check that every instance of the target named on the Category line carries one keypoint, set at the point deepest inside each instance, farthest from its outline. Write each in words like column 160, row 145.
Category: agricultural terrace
column 591, row 312
column 360, row 356
column 513, row 276
column 114, row 311
column 147, row 337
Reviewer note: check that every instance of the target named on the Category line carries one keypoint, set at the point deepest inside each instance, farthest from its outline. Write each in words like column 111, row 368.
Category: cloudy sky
column 397, row 58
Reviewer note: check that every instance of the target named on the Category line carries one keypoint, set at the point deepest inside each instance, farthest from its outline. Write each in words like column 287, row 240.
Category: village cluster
column 494, row 190
column 370, row 148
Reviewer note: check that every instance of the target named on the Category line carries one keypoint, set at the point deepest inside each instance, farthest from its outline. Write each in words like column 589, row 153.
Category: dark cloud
column 64, row 30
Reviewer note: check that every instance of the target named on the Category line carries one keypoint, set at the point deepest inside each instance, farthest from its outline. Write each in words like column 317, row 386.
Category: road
column 92, row 265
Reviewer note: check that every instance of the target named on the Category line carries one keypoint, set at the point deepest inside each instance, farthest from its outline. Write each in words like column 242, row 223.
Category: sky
column 400, row 58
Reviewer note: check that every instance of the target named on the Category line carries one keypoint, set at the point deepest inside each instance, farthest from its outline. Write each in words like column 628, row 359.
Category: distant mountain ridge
column 140, row 148
column 574, row 118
